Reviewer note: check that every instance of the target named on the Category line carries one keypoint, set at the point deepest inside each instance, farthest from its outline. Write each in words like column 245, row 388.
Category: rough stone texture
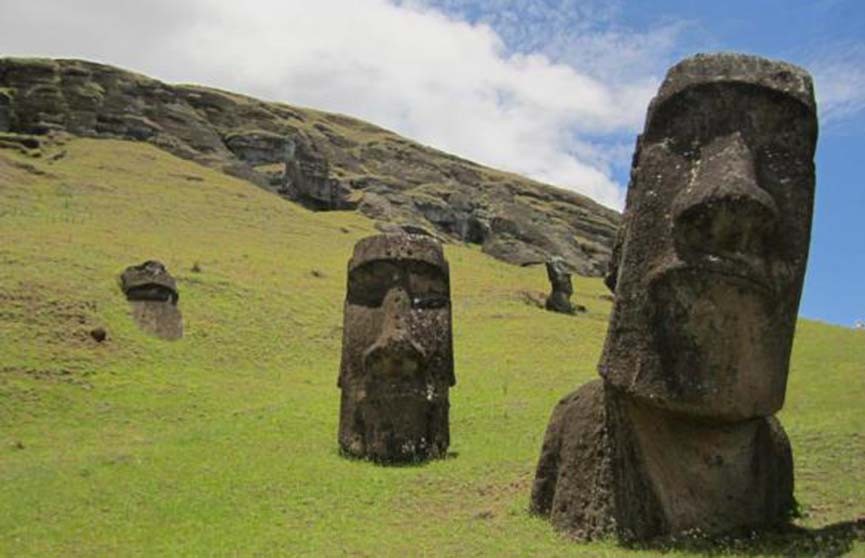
column 611, row 464
column 561, row 289
column 152, row 294
column 5, row 100
column 397, row 357
column 149, row 281
column 679, row 435
column 324, row 161
column 307, row 179
column 23, row 143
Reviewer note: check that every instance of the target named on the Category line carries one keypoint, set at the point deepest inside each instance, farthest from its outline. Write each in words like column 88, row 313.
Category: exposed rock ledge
column 324, row 161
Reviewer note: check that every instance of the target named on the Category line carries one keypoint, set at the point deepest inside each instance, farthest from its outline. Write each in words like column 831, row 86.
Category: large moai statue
column 397, row 356
column 152, row 293
column 679, row 434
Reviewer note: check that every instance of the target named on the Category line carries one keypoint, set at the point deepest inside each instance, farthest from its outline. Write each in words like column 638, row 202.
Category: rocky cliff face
column 323, row 161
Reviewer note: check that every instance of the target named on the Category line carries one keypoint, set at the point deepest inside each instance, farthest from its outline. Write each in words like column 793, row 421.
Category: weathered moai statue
column 152, row 292
column 679, row 435
column 397, row 356
column 559, row 299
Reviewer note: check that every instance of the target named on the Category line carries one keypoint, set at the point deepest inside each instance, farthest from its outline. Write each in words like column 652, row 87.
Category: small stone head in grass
column 397, row 356
column 152, row 294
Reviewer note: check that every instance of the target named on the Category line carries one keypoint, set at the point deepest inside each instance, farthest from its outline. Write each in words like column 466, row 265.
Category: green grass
column 224, row 443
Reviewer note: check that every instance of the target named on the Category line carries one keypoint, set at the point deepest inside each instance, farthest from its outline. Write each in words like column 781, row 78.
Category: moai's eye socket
column 369, row 284
column 428, row 286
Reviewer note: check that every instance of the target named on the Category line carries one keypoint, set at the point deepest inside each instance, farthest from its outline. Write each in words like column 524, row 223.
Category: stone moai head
column 715, row 240
column 397, row 357
column 152, row 292
column 149, row 281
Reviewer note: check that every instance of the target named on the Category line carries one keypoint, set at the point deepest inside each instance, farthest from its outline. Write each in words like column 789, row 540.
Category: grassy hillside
column 224, row 443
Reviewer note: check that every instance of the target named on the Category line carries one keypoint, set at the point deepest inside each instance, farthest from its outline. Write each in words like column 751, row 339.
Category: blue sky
column 825, row 37
column 552, row 89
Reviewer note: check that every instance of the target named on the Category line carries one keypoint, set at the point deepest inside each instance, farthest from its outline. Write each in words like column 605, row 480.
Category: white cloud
column 584, row 34
column 439, row 80
column 839, row 81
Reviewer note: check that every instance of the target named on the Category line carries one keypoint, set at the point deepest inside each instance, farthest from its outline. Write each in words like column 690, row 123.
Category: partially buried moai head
column 715, row 240
column 152, row 294
column 149, row 281
column 397, row 358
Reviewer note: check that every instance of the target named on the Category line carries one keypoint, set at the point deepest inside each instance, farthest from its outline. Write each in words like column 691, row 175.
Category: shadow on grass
column 832, row 540
column 398, row 464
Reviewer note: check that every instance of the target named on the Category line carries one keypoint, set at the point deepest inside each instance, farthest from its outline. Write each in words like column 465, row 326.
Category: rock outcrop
column 323, row 161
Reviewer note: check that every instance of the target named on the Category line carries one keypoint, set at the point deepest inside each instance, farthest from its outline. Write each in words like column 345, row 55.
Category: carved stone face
column 397, row 358
column 717, row 226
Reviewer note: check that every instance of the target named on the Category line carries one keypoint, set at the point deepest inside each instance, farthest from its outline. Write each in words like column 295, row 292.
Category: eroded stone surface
column 397, row 357
column 5, row 100
column 307, row 178
column 152, row 293
column 679, row 435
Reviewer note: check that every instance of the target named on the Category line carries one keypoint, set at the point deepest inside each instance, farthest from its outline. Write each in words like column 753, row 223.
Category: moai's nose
column 724, row 210
column 395, row 354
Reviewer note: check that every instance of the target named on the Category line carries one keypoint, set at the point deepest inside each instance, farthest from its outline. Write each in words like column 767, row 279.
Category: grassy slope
column 224, row 442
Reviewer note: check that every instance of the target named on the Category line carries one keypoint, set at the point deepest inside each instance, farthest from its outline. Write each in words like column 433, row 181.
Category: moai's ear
column 612, row 276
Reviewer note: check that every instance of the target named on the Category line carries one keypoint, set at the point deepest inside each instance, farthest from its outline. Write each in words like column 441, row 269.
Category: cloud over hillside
column 414, row 69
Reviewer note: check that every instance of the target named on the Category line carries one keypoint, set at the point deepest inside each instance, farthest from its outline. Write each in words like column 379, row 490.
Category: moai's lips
column 748, row 280
column 713, row 331
column 726, row 270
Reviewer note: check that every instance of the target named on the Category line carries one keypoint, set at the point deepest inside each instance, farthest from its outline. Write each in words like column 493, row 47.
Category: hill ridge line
column 324, row 161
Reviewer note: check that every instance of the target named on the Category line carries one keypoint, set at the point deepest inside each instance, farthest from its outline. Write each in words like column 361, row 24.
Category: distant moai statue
column 397, row 357
column 152, row 292
column 679, row 435
column 559, row 299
